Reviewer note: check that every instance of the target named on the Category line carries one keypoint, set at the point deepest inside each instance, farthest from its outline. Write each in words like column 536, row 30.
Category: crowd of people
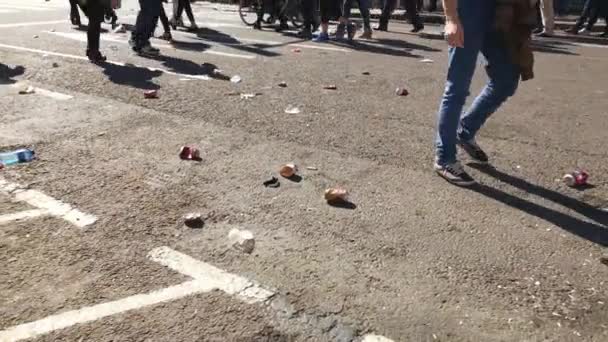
column 152, row 11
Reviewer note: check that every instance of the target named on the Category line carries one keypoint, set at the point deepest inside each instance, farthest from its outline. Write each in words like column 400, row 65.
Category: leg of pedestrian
column 146, row 22
column 474, row 18
column 309, row 19
column 95, row 13
column 345, row 25
column 367, row 28
column 165, row 22
column 387, row 9
column 412, row 12
column 188, row 9
column 74, row 14
column 548, row 17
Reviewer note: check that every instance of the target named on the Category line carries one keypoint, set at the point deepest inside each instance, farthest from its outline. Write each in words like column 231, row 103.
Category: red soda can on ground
column 576, row 178
column 190, row 153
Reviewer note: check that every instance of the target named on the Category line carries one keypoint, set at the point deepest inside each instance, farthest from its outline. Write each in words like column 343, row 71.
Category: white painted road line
column 33, row 23
column 82, row 58
column 95, row 312
column 46, row 203
column 375, row 338
column 243, row 288
column 206, row 278
column 22, row 215
column 83, row 38
column 48, row 93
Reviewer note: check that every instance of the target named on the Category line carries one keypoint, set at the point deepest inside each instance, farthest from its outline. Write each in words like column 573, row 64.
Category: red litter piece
column 151, row 94
column 296, row 50
column 189, row 153
column 576, row 178
column 402, row 92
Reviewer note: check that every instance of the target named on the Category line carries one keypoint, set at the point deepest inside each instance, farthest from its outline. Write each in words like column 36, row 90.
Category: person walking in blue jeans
column 469, row 31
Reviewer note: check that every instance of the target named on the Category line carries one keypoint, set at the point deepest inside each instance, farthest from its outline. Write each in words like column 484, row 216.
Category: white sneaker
column 584, row 32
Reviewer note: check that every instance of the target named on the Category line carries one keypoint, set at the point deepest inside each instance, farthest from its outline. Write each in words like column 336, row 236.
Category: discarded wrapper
column 194, row 220
column 242, row 240
column 426, row 60
column 366, row 73
column 272, row 182
column 189, row 153
column 401, row 92
column 336, row 195
column 288, row 170
column 236, row 79
column 330, row 87
column 283, row 84
column 151, row 94
column 292, row 110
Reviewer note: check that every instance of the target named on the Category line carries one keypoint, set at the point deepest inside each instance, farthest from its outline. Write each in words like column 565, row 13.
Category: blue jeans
column 147, row 19
column 477, row 18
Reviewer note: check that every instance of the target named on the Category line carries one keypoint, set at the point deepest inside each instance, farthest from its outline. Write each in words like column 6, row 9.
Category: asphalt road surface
column 93, row 246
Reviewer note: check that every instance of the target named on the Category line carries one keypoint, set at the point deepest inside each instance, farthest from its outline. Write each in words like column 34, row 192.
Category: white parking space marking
column 33, row 23
column 22, row 215
column 206, row 278
column 375, row 338
column 82, row 58
column 83, row 38
column 48, row 93
column 232, row 284
column 48, row 204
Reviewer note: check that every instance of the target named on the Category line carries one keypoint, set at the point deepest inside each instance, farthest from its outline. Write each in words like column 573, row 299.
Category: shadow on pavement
column 7, row 73
column 221, row 38
column 131, row 75
column 591, row 231
column 553, row 47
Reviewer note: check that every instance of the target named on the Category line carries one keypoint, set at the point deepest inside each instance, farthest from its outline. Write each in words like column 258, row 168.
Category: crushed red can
column 151, row 94
column 189, row 153
column 576, row 178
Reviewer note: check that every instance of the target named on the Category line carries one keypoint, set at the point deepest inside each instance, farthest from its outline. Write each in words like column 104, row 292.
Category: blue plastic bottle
column 23, row 155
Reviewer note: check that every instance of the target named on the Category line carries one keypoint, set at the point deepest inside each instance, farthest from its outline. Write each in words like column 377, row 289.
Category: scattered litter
column 367, row 73
column 336, row 195
column 101, row 134
column 233, row 93
column 22, row 155
column 401, row 92
column 248, row 96
column 35, row 36
column 55, row 65
column 330, row 87
column 52, row 30
column 518, row 167
column 576, row 178
column 288, row 170
column 120, row 29
column 292, row 110
column 236, row 79
column 434, row 337
column 242, row 240
column 194, row 220
column 272, row 182
column 283, row 84
column 296, row 50
column 604, row 260
column 537, row 283
column 190, row 153
column 151, row 94
column 312, row 168
column 427, row 60
column 27, row 90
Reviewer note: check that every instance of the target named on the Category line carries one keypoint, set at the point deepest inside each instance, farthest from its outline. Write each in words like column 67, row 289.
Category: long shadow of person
column 131, row 75
column 187, row 67
column 550, row 46
column 596, row 233
column 7, row 73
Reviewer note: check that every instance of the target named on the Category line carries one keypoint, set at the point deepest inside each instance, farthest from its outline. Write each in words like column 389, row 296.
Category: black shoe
column 474, row 151
column 455, row 174
column 282, row 26
column 537, row 30
column 417, row 28
column 75, row 19
column 382, row 26
column 96, row 56
column 257, row 25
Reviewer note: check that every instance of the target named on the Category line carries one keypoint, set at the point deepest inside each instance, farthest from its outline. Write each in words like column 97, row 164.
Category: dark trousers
column 411, row 9
column 178, row 8
column 163, row 19
column 95, row 11
column 433, row 5
column 330, row 9
column 308, row 13
column 74, row 9
column 147, row 19
column 591, row 12
column 363, row 8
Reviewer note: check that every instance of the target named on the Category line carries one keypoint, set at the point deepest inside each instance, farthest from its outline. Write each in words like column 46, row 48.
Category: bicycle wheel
column 248, row 11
